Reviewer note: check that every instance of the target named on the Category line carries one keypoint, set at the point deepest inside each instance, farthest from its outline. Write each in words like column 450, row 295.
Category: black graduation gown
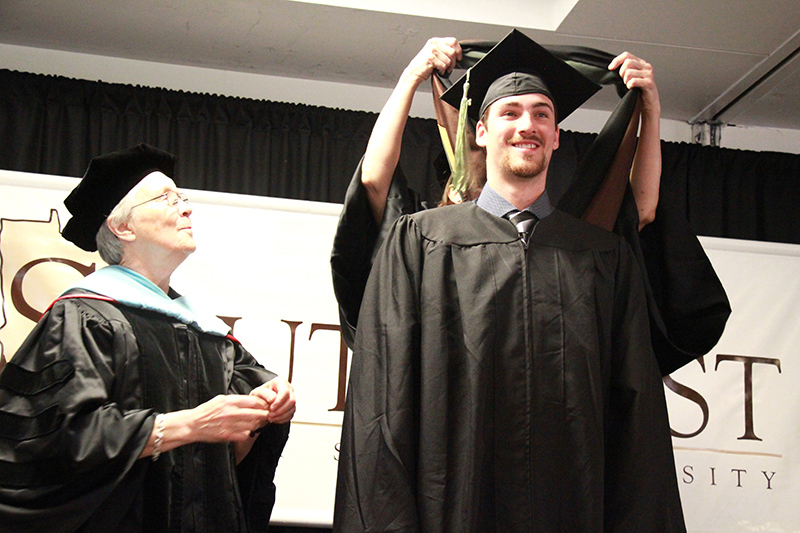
column 495, row 388
column 687, row 304
column 78, row 403
column 358, row 238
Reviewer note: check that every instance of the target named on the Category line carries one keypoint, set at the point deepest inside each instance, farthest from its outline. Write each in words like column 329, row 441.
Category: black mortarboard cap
column 565, row 86
column 107, row 180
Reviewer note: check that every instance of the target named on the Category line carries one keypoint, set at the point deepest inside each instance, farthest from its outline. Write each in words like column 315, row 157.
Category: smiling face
column 158, row 231
column 519, row 134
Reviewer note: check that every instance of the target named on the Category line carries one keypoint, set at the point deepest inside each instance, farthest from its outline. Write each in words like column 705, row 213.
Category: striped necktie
column 524, row 221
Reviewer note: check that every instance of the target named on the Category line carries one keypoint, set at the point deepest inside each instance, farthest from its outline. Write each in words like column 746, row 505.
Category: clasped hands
column 238, row 417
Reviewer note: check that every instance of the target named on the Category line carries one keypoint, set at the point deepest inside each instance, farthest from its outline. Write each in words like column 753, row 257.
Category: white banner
column 263, row 265
column 738, row 460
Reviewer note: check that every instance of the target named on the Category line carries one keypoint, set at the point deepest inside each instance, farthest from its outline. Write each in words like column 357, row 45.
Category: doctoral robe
column 501, row 388
column 77, row 405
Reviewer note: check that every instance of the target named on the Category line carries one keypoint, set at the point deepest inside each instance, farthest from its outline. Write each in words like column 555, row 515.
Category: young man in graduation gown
column 503, row 379
column 688, row 307
column 127, row 408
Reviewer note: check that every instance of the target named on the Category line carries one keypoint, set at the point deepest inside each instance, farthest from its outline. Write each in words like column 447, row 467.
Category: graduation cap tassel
column 460, row 179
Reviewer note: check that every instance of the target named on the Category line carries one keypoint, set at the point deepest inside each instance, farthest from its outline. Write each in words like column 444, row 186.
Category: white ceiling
column 729, row 61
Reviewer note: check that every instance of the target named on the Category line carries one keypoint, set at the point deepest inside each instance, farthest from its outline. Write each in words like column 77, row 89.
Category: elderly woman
column 127, row 409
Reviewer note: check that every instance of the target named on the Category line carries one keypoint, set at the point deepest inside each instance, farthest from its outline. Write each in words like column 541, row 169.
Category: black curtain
column 734, row 193
column 54, row 125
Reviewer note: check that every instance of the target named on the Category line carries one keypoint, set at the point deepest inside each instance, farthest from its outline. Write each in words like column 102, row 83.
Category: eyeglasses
column 171, row 198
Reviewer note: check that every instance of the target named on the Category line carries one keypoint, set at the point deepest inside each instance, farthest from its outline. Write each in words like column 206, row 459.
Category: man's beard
column 524, row 167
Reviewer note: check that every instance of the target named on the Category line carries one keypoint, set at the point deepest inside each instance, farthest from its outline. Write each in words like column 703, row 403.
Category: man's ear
column 124, row 232
column 555, row 138
column 480, row 134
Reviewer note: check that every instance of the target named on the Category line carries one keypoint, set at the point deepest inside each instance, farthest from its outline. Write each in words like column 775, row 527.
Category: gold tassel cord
column 461, row 173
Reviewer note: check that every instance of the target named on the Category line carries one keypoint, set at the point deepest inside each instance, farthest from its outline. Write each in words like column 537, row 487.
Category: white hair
column 108, row 243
